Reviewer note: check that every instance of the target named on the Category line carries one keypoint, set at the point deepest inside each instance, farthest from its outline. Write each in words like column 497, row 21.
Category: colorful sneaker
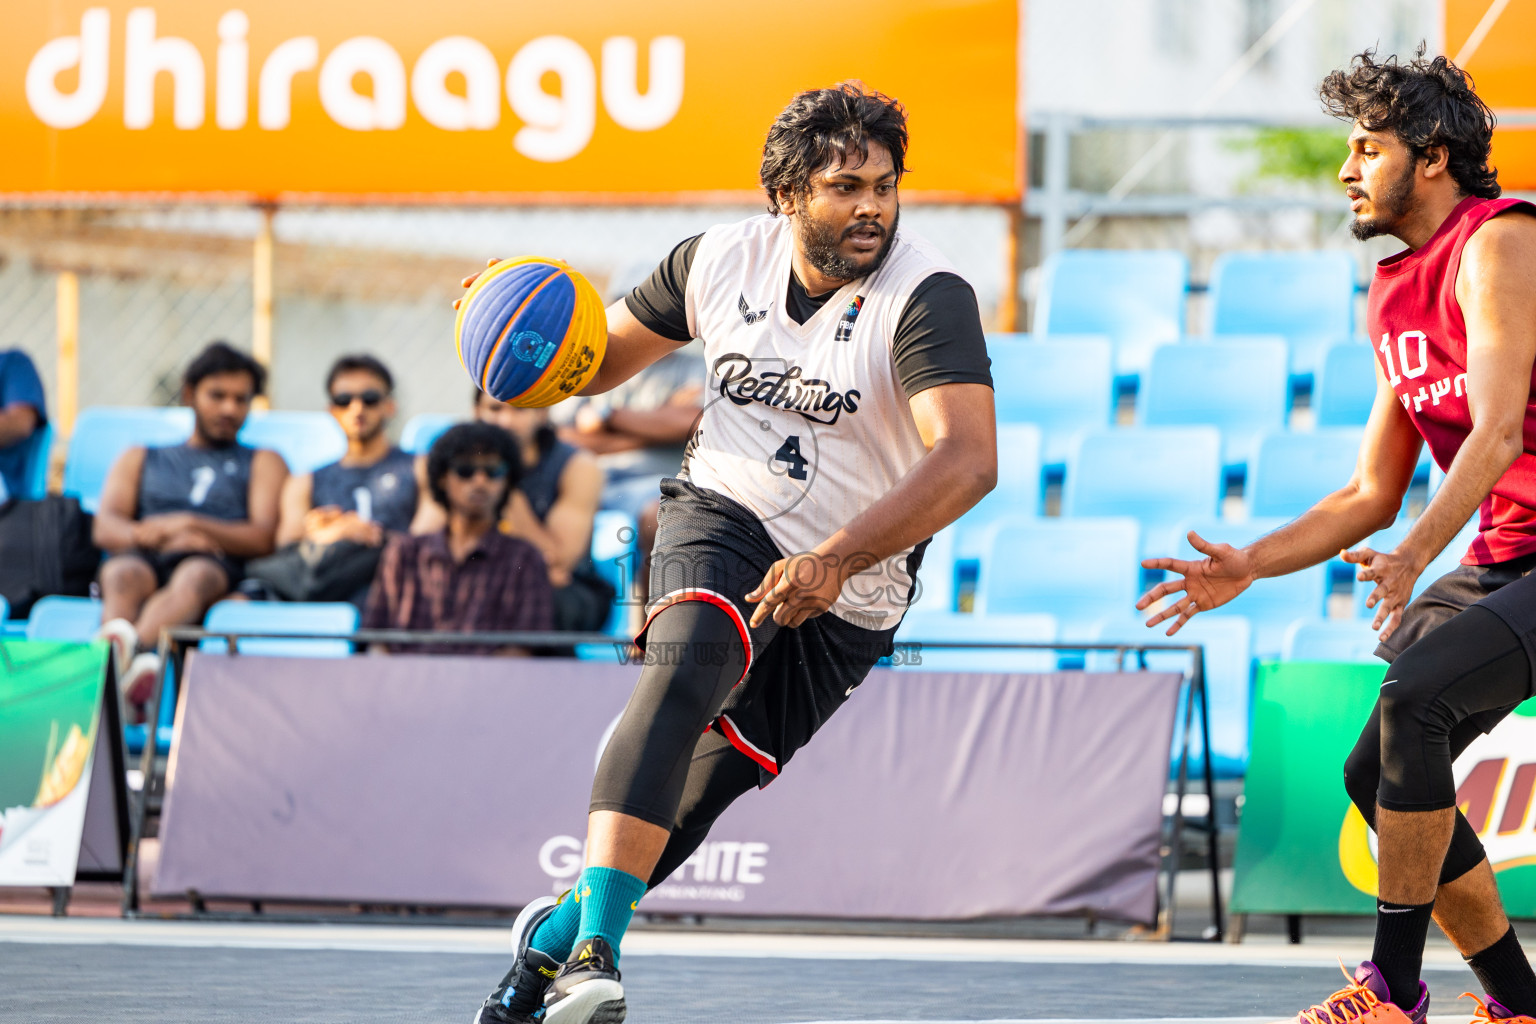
column 138, row 683
column 1365, row 1000
column 519, row 999
column 1495, row 1012
column 587, row 990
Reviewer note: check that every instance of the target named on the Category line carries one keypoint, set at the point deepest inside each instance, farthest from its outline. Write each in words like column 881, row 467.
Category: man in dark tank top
column 333, row 521
column 179, row 522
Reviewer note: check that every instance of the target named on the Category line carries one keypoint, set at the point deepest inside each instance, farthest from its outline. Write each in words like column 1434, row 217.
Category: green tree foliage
column 1311, row 155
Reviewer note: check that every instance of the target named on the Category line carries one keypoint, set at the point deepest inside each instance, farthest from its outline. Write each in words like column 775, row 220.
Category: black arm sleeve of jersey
column 660, row 302
column 939, row 339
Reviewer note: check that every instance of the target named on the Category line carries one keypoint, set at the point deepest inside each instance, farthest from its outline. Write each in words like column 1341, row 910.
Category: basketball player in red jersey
column 1453, row 321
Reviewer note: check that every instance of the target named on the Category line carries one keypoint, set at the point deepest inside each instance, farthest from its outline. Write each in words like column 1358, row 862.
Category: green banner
column 50, row 710
column 1302, row 848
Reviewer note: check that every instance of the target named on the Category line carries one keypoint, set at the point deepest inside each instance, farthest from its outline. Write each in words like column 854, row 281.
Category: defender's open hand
column 795, row 589
column 1214, row 580
column 1394, row 575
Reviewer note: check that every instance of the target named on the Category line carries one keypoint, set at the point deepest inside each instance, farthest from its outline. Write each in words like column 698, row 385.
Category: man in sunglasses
column 468, row 577
column 334, row 520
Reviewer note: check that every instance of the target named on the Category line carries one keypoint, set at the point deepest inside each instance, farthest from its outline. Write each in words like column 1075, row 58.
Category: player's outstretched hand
column 1212, row 581
column 1394, row 575
column 795, row 589
column 472, row 278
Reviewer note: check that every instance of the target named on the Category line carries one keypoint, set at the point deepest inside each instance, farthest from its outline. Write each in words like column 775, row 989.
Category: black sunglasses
column 467, row 470
column 370, row 398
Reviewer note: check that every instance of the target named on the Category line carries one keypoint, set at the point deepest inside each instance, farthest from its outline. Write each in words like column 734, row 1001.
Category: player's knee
column 201, row 578
column 1362, row 776
column 126, row 572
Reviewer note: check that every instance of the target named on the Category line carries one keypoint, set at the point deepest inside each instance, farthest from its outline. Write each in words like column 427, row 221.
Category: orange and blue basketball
column 531, row 331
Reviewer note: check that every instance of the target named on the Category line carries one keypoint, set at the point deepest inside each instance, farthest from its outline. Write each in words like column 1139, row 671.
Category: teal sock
column 555, row 936
column 608, row 898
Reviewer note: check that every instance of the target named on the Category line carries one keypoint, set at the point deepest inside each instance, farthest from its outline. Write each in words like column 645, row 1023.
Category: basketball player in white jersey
column 848, row 418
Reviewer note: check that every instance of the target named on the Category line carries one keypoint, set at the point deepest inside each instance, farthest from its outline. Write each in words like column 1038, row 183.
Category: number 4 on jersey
column 789, row 454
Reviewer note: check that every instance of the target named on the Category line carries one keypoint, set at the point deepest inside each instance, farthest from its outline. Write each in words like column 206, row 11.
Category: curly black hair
column 1424, row 102
column 824, row 123
column 473, row 439
column 222, row 357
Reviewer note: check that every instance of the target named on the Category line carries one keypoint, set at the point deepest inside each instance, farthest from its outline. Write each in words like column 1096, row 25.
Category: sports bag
column 45, row 548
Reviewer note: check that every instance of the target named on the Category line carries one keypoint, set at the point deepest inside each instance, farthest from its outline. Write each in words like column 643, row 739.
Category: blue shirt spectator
column 22, row 413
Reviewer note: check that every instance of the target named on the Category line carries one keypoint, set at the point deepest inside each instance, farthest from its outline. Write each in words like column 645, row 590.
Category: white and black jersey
column 806, row 420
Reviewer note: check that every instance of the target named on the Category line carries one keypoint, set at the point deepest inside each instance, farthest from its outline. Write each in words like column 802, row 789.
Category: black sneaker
column 587, row 989
column 519, row 999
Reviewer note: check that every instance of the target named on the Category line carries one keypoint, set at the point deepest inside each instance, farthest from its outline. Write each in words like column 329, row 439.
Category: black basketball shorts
column 711, row 548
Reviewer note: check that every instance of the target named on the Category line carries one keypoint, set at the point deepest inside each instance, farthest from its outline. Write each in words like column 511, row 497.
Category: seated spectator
column 639, row 429
column 552, row 509
column 22, row 414
column 467, row 576
column 638, row 432
column 179, row 522
column 333, row 521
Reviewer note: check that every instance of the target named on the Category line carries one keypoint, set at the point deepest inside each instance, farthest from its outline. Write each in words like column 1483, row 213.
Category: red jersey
column 1420, row 337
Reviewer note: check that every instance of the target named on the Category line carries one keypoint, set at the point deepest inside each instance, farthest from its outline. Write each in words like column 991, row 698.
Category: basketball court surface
column 150, row 972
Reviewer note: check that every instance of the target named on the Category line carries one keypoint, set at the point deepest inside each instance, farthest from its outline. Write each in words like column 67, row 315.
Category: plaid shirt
column 502, row 585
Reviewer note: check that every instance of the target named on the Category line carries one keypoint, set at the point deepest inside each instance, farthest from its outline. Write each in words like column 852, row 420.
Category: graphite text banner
column 465, row 781
column 1303, row 848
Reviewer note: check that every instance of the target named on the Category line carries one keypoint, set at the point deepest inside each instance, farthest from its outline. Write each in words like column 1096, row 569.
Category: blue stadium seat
column 1346, row 386
column 35, row 473
column 102, row 433
column 931, row 629
column 936, row 590
column 1227, row 641
column 1294, row 471
column 1270, row 604
column 424, row 428
column 1018, row 489
column 64, row 618
column 1160, row 475
column 1063, row 385
column 1134, row 297
column 1079, row 570
column 1329, row 640
column 302, row 617
column 617, row 561
column 1240, row 387
column 1446, row 561
column 1306, row 297
column 305, row 440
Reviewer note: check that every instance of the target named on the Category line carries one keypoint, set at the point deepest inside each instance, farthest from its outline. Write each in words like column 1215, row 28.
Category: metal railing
column 1056, row 203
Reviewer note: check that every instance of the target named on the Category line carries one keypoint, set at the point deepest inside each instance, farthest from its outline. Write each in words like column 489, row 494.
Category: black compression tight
column 694, row 655
column 1427, row 714
column 717, row 775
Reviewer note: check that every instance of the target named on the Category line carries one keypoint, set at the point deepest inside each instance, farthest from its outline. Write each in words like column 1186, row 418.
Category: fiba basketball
column 531, row 331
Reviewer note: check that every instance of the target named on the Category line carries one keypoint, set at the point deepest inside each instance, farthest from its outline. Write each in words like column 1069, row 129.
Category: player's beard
column 1391, row 204
column 821, row 244
column 208, row 432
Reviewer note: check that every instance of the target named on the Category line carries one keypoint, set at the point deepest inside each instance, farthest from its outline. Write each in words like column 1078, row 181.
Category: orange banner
column 1503, row 65
column 592, row 100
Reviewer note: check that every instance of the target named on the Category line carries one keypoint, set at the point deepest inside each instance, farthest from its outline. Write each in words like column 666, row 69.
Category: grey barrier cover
column 464, row 781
